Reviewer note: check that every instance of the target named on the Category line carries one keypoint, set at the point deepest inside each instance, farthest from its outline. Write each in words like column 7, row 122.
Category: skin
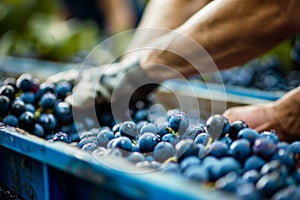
column 233, row 32
column 281, row 116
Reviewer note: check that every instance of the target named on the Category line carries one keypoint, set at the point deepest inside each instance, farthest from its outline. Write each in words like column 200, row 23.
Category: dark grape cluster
column 267, row 74
column 36, row 107
column 226, row 156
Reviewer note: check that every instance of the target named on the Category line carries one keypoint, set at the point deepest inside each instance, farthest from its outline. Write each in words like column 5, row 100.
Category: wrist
column 286, row 113
column 126, row 77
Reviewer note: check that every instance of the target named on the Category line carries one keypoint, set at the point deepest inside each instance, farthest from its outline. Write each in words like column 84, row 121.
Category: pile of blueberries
column 266, row 74
column 36, row 107
column 242, row 161
column 226, row 156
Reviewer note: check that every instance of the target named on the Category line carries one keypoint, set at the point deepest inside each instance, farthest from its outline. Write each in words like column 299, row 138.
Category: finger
column 233, row 114
column 83, row 95
column 69, row 76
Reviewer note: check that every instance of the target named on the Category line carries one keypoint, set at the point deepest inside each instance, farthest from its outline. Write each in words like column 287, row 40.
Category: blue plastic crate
column 38, row 169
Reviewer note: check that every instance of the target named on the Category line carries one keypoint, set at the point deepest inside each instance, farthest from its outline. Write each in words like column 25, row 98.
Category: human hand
column 267, row 117
column 116, row 86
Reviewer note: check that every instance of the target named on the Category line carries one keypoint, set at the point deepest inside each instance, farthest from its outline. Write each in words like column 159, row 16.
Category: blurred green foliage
column 39, row 29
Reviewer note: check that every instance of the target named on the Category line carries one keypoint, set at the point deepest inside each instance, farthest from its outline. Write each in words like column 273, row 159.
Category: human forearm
column 167, row 15
column 232, row 32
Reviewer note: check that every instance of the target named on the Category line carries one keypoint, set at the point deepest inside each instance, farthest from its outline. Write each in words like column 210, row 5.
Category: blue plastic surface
column 38, row 169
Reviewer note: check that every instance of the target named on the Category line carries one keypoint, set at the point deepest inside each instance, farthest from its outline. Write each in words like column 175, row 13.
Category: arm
column 231, row 31
column 167, row 14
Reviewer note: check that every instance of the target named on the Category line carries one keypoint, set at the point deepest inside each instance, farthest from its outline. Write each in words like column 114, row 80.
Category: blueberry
column 264, row 147
column 28, row 97
column 4, row 105
column 17, row 108
column 86, row 134
column 288, row 193
column 170, row 168
column 217, row 126
column 218, row 149
column 27, row 121
column 202, row 138
column 235, row 128
column 104, row 137
column 179, row 122
column 61, row 136
column 296, row 175
column 117, row 134
column 163, row 151
column 129, row 129
column 171, row 112
column 295, row 148
column 38, row 130
column 228, row 164
column 48, row 100
column 139, row 124
column 168, row 138
column 247, row 191
column 63, row 113
column 90, row 139
column 227, row 140
column 11, row 82
column 45, row 87
column 282, row 145
column 163, row 129
column 135, row 148
column 24, row 82
column 110, row 143
column 148, row 128
column 147, row 142
column 135, row 157
column 192, row 132
column 141, row 115
column 62, row 89
column 253, row 162
column 11, row 120
column 30, row 108
column 210, row 161
column 268, row 184
column 240, row 149
column 186, row 148
column 251, row 176
column 270, row 135
column 248, row 134
column 285, row 157
column 273, row 166
column 149, row 158
column 228, row 183
column 197, row 173
column 8, row 90
column 202, row 152
column 188, row 162
column 90, row 147
column 289, row 181
column 48, row 121
column 123, row 143
column 116, row 127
